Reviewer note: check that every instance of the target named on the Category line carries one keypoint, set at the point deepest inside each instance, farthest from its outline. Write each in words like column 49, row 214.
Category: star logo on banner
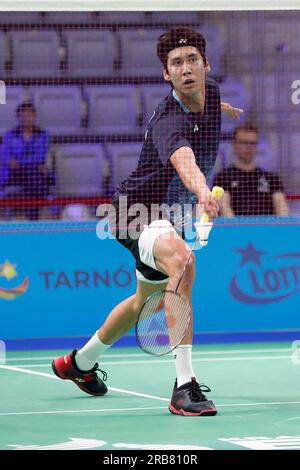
column 8, row 270
column 250, row 254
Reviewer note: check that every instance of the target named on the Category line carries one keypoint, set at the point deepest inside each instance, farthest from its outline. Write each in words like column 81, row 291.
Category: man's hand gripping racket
column 204, row 227
column 165, row 315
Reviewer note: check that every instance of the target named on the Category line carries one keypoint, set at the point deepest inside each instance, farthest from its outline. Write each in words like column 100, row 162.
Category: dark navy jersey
column 250, row 191
column 172, row 126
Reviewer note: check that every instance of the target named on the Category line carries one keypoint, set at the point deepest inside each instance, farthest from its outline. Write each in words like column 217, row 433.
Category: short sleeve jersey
column 250, row 191
column 170, row 128
column 27, row 152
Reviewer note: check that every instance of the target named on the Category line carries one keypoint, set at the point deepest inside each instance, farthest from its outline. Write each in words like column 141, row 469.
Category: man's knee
column 171, row 256
column 182, row 260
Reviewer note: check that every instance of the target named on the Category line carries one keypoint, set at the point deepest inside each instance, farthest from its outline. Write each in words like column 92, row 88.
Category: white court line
column 271, row 403
column 171, row 361
column 81, row 411
column 52, row 376
column 228, row 405
column 204, row 359
column 195, row 353
column 103, row 410
column 27, row 371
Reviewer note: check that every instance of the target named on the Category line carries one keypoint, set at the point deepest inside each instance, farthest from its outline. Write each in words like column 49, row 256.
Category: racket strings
column 163, row 322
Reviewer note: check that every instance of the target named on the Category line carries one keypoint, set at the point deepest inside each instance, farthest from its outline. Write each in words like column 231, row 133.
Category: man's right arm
column 192, row 177
column 194, row 180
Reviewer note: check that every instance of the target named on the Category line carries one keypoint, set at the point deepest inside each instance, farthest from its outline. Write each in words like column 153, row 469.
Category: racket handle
column 205, row 225
column 218, row 193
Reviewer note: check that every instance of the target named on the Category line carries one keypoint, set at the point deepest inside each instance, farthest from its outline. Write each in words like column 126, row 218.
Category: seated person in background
column 249, row 190
column 23, row 160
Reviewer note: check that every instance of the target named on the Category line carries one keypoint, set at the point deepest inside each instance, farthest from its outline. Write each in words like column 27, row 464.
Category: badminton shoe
column 189, row 400
column 66, row 369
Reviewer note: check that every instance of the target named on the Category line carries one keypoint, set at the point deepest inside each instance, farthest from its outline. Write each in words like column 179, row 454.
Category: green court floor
column 256, row 388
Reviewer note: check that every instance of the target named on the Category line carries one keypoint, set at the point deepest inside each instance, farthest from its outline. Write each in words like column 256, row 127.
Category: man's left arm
column 232, row 112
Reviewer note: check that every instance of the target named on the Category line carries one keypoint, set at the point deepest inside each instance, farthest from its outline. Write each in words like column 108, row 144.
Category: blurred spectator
column 24, row 173
column 249, row 190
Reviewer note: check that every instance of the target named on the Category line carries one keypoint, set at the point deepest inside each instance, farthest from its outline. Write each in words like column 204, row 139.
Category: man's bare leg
column 171, row 254
column 124, row 316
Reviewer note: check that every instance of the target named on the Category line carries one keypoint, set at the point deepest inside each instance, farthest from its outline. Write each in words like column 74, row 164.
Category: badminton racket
column 165, row 316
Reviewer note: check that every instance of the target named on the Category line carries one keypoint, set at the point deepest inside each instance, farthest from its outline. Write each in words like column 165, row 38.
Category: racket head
column 163, row 322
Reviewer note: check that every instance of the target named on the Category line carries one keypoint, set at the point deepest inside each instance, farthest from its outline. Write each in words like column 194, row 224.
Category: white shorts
column 146, row 243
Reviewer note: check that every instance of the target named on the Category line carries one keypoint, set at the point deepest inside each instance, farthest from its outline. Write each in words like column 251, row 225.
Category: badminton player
column 178, row 155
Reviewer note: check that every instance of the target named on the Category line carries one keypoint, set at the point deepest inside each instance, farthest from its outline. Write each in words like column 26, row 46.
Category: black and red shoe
column 66, row 369
column 189, row 400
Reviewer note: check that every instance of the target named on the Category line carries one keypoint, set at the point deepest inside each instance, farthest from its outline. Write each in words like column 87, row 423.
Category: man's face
column 186, row 70
column 27, row 117
column 245, row 146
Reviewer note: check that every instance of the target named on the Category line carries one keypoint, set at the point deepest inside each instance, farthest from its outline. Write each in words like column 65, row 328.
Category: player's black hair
column 180, row 37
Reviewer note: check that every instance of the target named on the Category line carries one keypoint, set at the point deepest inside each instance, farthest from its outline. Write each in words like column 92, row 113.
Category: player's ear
column 207, row 67
column 166, row 76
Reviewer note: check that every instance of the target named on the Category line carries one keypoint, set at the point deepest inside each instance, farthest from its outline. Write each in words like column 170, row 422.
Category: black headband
column 180, row 38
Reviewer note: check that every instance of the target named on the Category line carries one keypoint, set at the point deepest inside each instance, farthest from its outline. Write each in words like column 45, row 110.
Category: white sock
column 87, row 357
column 183, row 363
